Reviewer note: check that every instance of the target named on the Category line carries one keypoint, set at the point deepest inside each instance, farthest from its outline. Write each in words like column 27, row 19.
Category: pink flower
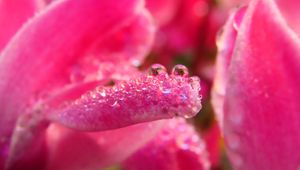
column 256, row 93
column 56, row 73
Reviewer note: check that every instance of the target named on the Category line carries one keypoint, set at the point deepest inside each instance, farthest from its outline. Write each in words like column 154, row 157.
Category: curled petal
column 146, row 98
column 27, row 148
column 261, row 109
column 13, row 14
column 177, row 146
column 225, row 43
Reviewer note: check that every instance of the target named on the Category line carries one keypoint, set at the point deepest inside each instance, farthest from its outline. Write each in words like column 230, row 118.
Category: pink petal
column 177, row 146
column 128, row 44
column 18, row 64
column 145, row 98
column 53, row 51
column 95, row 150
column 27, row 148
column 226, row 42
column 13, row 14
column 115, row 56
column 290, row 11
column 261, row 109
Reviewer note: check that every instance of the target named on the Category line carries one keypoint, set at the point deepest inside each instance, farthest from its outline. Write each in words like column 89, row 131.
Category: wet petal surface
column 153, row 96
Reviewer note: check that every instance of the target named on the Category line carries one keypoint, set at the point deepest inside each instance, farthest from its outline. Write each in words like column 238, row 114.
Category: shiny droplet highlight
column 157, row 69
column 180, row 70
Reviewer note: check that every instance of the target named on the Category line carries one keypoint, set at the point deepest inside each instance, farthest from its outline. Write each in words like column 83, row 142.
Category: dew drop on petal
column 180, row 70
column 166, row 91
column 101, row 91
column 83, row 97
column 115, row 104
column 93, row 95
column 197, row 108
column 157, row 69
column 188, row 115
column 136, row 62
column 183, row 97
column 195, row 82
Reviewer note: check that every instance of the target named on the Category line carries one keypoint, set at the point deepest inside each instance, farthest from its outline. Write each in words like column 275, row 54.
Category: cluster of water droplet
column 179, row 76
column 148, row 97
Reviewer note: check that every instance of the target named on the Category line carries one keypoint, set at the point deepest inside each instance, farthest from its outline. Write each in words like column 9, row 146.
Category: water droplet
column 101, row 101
column 90, row 94
column 188, row 115
column 183, row 97
column 180, row 70
column 157, row 69
column 83, row 97
column 183, row 144
column 166, row 91
column 196, row 108
column 195, row 82
column 136, row 62
column 122, row 86
column 93, row 95
column 77, row 102
column 101, row 91
column 115, row 104
column 192, row 111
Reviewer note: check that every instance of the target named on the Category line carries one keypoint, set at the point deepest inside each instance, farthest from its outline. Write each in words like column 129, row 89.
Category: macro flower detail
column 146, row 98
column 68, row 76
column 259, row 74
column 115, row 85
